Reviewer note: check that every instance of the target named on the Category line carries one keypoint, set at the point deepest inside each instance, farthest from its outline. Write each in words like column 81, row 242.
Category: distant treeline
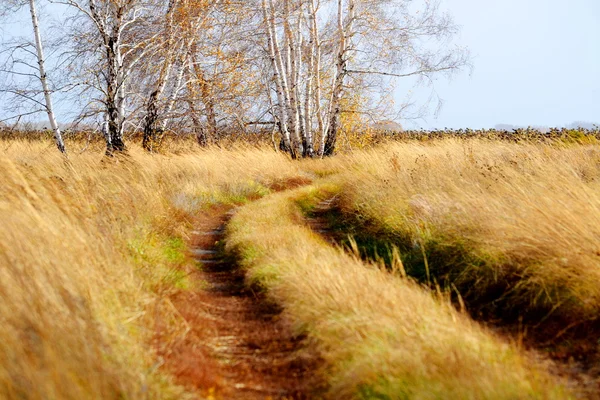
column 370, row 136
column 514, row 135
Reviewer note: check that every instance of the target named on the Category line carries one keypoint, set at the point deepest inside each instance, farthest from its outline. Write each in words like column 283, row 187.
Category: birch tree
column 279, row 75
column 313, row 80
column 387, row 39
column 320, row 51
column 183, row 22
column 110, row 37
column 209, row 68
column 345, row 24
column 168, row 52
column 155, row 65
column 20, row 67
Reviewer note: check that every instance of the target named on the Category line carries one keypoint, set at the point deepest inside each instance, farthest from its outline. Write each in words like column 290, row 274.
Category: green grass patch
column 160, row 260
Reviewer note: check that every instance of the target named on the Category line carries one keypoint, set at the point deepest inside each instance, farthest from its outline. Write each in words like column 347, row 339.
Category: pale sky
column 536, row 62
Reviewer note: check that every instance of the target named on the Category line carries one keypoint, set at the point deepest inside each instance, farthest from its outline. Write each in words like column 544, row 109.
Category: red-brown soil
column 239, row 345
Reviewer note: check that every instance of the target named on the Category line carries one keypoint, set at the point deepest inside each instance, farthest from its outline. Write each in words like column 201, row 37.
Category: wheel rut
column 240, row 345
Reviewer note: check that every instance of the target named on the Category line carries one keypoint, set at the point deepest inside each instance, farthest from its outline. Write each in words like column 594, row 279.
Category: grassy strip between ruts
column 380, row 337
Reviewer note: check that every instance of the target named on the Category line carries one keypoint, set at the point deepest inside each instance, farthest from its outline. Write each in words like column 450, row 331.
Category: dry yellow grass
column 88, row 250
column 513, row 224
column 381, row 337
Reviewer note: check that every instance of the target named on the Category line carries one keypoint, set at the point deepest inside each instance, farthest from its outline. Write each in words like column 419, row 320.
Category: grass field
column 89, row 249
column 512, row 228
column 460, row 234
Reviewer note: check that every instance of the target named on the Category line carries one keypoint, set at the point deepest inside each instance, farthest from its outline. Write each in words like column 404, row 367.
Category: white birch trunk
column 313, row 79
column 121, row 92
column 322, row 114
column 314, row 8
column 278, row 73
column 300, row 106
column 344, row 31
column 44, row 79
column 207, row 98
column 150, row 128
column 114, row 76
column 292, row 75
column 173, row 98
column 151, row 133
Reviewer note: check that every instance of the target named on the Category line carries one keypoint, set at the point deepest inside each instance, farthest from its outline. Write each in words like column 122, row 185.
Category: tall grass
column 90, row 250
column 380, row 337
column 513, row 227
